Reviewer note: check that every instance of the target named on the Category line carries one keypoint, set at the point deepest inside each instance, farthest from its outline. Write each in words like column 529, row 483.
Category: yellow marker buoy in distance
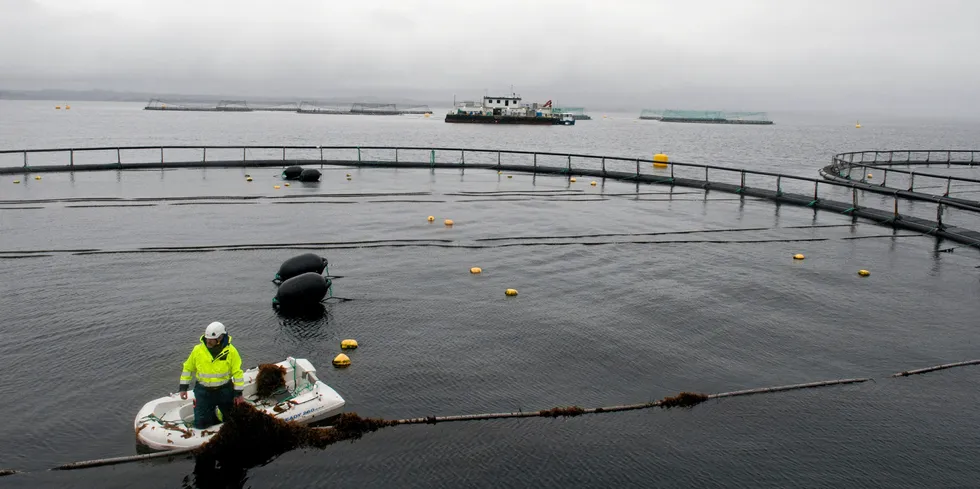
column 660, row 160
column 510, row 292
column 858, row 125
column 67, row 107
column 348, row 345
column 593, row 183
column 476, row 270
column 431, row 218
column 510, row 176
column 572, row 179
column 341, row 361
column 275, row 187
column 348, row 174
column 16, row 181
column 57, row 107
column 248, row 179
column 37, row 177
column 286, row 184
column 348, row 179
column 869, row 176
column 798, row 256
column 448, row 222
column 864, row 273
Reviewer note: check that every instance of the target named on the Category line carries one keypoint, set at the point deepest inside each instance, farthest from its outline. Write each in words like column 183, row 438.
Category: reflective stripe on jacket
column 216, row 370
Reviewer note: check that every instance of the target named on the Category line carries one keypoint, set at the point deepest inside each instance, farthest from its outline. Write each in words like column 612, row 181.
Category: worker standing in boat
column 220, row 379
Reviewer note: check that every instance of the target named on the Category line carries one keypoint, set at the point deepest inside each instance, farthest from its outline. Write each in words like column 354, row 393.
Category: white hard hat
column 214, row 331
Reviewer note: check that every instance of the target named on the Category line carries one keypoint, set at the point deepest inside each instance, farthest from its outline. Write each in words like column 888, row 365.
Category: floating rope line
column 351, row 426
column 937, row 367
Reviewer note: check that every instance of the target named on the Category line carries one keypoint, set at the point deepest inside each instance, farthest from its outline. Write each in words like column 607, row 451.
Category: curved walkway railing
column 805, row 191
column 853, row 169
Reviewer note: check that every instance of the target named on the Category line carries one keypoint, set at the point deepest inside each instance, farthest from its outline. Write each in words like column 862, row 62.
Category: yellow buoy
column 593, row 183
column 500, row 173
column 286, row 184
column 16, row 181
column 341, row 360
column 798, row 256
column 510, row 176
column 38, row 177
column 249, row 179
column 248, row 176
column 864, row 273
column 431, row 218
column 858, row 125
column 660, row 165
column 448, row 222
column 476, row 270
column 67, row 107
column 510, row 292
column 348, row 179
column 348, row 345
column 348, row 174
column 57, row 107
column 572, row 179
column 427, row 115
column 275, row 187
column 869, row 176
column 660, row 160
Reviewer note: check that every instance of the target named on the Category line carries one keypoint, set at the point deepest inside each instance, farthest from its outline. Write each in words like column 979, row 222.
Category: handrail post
column 204, row 157
column 779, row 186
column 498, row 158
column 671, row 174
column 911, row 181
column 25, row 158
column 949, row 180
column 535, row 162
column 569, row 166
column 884, row 178
column 890, row 154
column 895, row 215
column 815, row 185
column 243, row 157
column 876, row 156
column 939, row 216
column 603, row 165
column 321, row 155
column 283, row 154
column 396, row 155
column 637, row 167
column 462, row 157
column 72, row 156
column 854, row 198
column 741, row 185
column 161, row 155
column 948, row 158
column 706, row 181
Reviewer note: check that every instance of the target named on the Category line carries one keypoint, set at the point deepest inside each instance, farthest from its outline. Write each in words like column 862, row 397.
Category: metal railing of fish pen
column 932, row 214
column 875, row 171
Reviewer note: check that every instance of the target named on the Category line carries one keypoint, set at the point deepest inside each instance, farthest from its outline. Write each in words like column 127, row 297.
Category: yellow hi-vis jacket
column 216, row 370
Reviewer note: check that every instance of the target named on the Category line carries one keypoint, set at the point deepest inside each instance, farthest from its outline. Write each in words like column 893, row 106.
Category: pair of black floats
column 301, row 174
column 301, row 282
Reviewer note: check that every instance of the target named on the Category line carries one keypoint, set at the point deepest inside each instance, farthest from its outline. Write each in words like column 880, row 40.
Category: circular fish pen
column 656, row 285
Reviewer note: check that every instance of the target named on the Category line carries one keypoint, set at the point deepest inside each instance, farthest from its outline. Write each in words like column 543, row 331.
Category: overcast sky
column 698, row 54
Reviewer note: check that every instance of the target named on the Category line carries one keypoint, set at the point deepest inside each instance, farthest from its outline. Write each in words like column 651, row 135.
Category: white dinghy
column 167, row 423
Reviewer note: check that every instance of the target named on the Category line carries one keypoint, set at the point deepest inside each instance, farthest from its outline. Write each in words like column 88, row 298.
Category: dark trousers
column 208, row 399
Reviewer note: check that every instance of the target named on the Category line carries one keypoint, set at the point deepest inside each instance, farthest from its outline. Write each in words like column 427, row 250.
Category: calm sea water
column 627, row 294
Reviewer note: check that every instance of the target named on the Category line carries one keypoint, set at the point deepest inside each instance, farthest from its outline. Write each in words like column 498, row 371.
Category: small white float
column 167, row 423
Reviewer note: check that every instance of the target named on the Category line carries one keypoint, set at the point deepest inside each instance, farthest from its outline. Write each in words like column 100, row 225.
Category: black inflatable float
column 292, row 172
column 302, row 291
column 309, row 175
column 300, row 264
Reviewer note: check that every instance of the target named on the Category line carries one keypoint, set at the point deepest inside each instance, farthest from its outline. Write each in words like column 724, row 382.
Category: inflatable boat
column 167, row 423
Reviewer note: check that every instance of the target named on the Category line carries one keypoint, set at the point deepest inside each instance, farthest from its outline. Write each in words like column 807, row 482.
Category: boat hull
column 503, row 119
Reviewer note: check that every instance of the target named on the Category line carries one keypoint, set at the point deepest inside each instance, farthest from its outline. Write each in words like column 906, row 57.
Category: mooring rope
column 684, row 399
